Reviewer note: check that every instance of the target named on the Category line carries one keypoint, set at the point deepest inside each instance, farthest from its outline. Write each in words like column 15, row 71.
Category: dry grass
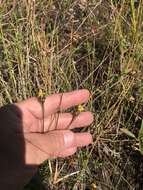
column 65, row 45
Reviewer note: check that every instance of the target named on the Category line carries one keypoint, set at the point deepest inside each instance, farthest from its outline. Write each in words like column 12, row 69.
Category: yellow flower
column 41, row 94
column 80, row 108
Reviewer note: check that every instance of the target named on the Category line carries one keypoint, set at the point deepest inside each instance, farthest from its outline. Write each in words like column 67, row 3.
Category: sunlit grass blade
column 127, row 132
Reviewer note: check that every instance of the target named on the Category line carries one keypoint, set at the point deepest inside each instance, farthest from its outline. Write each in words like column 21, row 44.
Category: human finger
column 53, row 143
column 63, row 121
column 54, row 103
column 68, row 152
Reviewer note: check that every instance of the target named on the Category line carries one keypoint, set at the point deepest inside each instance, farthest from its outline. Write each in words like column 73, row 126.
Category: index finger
column 56, row 102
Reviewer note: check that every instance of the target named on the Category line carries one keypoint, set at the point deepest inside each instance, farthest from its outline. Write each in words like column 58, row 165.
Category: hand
column 58, row 140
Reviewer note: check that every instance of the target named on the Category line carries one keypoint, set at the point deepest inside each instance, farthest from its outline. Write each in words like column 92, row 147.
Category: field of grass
column 60, row 46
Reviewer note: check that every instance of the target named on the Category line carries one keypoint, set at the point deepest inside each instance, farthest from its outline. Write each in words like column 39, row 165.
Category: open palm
column 57, row 140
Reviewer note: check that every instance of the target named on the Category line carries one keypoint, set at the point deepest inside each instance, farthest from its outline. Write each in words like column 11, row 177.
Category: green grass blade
column 127, row 132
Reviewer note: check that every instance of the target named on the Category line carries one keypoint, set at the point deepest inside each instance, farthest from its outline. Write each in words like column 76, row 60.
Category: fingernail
column 68, row 139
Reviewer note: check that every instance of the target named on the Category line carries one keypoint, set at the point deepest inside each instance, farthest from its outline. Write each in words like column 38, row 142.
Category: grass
column 65, row 45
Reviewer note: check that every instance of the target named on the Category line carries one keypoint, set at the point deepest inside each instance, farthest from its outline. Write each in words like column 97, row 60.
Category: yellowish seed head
column 81, row 108
column 94, row 185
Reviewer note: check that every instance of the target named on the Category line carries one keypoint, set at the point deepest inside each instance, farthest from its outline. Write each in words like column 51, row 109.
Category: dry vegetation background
column 72, row 44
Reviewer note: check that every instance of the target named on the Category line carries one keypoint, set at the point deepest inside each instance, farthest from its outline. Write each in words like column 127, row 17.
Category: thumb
column 40, row 147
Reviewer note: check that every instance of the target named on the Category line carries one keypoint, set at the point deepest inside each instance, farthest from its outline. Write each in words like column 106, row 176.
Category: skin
column 57, row 140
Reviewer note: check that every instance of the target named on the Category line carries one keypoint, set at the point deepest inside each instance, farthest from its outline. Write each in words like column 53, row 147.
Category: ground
column 65, row 45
